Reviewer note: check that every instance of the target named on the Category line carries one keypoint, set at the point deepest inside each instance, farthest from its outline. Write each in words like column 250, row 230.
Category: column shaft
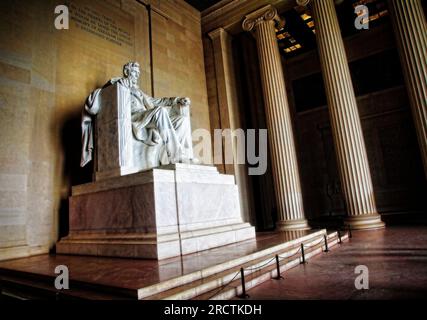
column 345, row 121
column 281, row 138
column 229, row 114
column 410, row 28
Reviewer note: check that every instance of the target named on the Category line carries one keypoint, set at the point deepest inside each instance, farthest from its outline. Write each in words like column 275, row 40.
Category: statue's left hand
column 184, row 102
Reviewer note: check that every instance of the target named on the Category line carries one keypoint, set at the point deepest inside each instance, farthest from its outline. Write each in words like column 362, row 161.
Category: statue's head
column 131, row 71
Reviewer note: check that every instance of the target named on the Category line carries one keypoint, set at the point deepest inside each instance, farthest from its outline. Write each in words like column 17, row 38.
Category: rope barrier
column 224, row 286
column 278, row 258
column 313, row 245
column 291, row 255
column 260, row 267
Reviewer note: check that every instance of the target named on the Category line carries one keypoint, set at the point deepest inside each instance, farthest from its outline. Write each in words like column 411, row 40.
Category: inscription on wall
column 99, row 24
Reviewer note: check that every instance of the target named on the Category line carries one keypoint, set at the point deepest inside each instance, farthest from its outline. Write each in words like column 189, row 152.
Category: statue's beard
column 133, row 81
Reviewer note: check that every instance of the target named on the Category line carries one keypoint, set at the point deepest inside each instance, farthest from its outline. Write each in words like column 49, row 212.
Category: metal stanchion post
column 339, row 237
column 242, row 276
column 326, row 243
column 279, row 276
column 302, row 253
column 349, row 232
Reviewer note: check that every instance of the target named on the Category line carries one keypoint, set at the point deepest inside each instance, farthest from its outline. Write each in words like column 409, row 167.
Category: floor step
column 22, row 286
column 258, row 276
column 258, row 269
column 202, row 276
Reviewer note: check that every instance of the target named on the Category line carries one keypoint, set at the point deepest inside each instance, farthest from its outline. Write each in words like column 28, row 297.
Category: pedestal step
column 226, row 284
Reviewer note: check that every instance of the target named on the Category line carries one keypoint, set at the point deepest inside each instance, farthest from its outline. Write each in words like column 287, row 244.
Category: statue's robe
column 154, row 121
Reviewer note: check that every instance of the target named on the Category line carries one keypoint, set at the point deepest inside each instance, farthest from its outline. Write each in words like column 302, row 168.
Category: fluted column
column 345, row 121
column 410, row 28
column 281, row 138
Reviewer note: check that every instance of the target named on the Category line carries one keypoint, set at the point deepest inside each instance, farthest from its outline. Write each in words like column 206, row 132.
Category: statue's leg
column 167, row 131
column 182, row 127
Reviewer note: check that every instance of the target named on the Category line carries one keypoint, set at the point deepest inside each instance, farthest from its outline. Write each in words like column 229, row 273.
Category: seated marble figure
column 161, row 129
column 158, row 214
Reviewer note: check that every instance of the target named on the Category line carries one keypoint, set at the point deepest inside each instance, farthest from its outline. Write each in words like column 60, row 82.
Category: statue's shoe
column 188, row 161
column 195, row 161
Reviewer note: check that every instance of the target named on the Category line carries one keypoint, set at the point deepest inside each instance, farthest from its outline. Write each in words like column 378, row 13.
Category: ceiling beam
column 229, row 14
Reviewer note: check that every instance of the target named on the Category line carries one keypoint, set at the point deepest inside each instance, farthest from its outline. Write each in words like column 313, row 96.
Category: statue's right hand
column 184, row 101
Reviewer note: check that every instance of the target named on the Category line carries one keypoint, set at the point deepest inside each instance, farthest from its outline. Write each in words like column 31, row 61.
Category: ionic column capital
column 264, row 14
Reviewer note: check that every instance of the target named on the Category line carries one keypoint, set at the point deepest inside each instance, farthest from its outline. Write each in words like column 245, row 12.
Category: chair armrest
column 179, row 110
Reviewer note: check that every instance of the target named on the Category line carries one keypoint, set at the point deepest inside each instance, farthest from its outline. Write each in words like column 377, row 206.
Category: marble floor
column 396, row 258
column 132, row 274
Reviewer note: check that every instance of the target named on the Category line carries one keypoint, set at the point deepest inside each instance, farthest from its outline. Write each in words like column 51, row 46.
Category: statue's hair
column 128, row 66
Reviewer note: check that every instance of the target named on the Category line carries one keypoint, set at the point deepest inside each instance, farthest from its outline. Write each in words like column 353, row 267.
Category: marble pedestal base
column 156, row 214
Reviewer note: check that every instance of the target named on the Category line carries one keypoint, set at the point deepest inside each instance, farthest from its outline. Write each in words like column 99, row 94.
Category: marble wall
column 45, row 76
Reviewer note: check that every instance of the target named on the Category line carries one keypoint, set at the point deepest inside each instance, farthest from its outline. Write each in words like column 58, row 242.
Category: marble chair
column 115, row 147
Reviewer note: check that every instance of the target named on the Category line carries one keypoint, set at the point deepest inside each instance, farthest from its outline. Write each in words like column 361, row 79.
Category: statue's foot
column 182, row 158
column 195, row 161
column 188, row 161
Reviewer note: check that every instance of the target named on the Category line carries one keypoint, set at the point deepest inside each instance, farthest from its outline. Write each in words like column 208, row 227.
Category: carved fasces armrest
column 179, row 110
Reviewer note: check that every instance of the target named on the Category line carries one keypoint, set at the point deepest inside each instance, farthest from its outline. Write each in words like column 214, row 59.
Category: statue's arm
column 168, row 102
column 175, row 105
column 163, row 102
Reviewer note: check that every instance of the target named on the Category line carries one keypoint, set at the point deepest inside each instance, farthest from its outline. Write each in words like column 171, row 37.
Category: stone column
column 225, row 84
column 281, row 138
column 345, row 121
column 411, row 34
column 229, row 114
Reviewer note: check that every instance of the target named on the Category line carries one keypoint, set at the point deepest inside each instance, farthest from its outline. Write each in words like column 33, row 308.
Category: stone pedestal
column 157, row 214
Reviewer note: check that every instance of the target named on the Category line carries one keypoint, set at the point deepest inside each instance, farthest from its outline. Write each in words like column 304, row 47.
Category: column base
column 365, row 222
column 292, row 225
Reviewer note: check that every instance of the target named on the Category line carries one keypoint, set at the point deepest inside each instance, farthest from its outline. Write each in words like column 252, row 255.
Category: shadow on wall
column 72, row 173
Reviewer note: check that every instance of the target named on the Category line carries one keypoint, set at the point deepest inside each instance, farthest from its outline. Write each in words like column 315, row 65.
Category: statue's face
column 134, row 74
